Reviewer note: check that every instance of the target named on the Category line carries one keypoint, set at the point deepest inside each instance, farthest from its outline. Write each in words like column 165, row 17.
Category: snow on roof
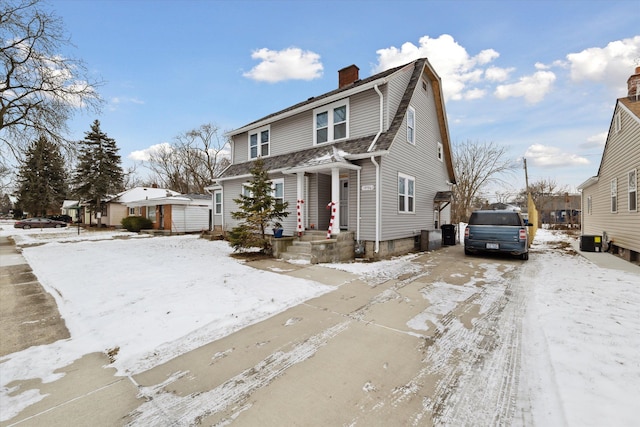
column 143, row 193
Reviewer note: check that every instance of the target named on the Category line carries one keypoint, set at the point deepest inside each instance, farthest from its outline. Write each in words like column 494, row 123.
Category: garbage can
column 448, row 234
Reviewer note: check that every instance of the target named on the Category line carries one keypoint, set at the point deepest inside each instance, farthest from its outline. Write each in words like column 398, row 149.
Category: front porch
column 314, row 247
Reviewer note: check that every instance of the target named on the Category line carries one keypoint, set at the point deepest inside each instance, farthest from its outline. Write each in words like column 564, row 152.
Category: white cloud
column 533, row 88
column 451, row 61
column 595, row 141
column 143, row 155
column 116, row 101
column 474, row 94
column 547, row 156
column 611, row 65
column 287, row 64
column 497, row 74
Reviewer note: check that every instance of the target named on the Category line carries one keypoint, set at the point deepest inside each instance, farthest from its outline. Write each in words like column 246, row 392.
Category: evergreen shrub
column 136, row 223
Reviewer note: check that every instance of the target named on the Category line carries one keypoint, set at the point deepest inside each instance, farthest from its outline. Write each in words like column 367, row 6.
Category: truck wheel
column 524, row 256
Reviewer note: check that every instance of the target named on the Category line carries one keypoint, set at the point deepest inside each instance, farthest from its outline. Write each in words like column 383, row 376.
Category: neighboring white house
column 371, row 158
column 115, row 208
column 610, row 199
column 182, row 213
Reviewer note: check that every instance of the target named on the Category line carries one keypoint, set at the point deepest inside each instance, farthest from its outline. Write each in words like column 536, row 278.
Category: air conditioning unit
column 591, row 243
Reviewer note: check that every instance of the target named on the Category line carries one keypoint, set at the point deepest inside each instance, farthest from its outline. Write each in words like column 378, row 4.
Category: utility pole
column 526, row 175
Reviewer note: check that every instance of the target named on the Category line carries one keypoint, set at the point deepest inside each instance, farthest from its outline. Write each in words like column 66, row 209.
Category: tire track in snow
column 478, row 367
column 167, row 409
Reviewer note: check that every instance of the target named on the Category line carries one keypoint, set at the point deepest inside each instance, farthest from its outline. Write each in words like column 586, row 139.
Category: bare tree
column 544, row 192
column 193, row 161
column 477, row 165
column 40, row 89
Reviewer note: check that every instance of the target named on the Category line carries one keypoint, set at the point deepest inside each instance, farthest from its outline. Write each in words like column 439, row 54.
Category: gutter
column 377, row 165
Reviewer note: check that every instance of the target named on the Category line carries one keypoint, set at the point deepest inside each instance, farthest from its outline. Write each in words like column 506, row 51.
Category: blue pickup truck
column 501, row 231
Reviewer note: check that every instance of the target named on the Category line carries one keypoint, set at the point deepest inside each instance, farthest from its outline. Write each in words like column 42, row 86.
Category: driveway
column 365, row 354
column 437, row 345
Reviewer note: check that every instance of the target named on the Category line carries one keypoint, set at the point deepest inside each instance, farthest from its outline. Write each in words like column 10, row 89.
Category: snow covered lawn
column 150, row 298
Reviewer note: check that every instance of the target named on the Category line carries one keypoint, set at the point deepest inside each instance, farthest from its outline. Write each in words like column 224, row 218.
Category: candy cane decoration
column 299, row 211
column 331, row 206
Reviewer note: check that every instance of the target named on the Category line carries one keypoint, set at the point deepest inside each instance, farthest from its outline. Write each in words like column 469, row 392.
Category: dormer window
column 331, row 122
column 259, row 142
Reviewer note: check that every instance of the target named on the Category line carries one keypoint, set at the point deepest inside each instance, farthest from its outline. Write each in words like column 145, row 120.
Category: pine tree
column 258, row 209
column 42, row 179
column 99, row 172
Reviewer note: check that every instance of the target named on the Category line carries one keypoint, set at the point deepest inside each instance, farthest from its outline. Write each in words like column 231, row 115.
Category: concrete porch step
column 312, row 235
column 287, row 256
column 299, row 248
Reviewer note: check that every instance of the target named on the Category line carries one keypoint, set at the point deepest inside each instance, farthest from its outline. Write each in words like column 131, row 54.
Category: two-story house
column 371, row 158
column 610, row 199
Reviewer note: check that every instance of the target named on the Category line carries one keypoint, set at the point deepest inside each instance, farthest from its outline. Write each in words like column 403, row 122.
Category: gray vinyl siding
column 240, row 148
column 367, row 200
column 419, row 161
column 296, row 133
column 292, row 134
column 364, row 114
column 621, row 155
column 233, row 189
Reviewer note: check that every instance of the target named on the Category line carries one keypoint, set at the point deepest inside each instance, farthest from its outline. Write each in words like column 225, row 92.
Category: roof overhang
column 174, row 200
column 321, row 167
column 588, row 183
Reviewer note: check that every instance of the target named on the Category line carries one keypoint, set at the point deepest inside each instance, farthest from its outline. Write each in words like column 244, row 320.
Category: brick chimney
column 633, row 85
column 347, row 75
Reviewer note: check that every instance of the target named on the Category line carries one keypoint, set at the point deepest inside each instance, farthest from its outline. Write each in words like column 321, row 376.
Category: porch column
column 300, row 202
column 335, row 199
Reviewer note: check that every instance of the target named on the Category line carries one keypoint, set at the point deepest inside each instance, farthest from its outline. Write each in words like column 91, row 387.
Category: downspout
column 377, row 165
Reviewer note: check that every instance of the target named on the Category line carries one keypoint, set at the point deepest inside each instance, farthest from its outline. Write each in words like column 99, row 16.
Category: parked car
column 63, row 218
column 39, row 223
column 498, row 231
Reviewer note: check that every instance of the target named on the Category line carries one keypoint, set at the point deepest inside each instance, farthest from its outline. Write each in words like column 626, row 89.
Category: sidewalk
column 606, row 260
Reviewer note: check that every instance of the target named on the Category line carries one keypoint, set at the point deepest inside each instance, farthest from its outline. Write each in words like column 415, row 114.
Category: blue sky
column 539, row 77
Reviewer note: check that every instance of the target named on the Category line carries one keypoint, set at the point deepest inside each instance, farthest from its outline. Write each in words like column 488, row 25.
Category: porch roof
column 312, row 158
column 443, row 196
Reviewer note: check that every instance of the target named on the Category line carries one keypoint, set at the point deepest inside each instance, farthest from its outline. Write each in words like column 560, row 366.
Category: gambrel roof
column 353, row 148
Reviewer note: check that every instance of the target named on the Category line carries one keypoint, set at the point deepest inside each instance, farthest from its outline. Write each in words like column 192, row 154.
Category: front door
column 344, row 204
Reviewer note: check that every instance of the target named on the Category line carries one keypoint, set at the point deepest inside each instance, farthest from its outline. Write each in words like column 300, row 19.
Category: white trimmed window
column 331, row 122
column 411, row 125
column 614, row 195
column 633, row 190
column 617, row 123
column 589, row 205
column 406, row 193
column 217, row 202
column 246, row 190
column 277, row 186
column 259, row 142
column 132, row 211
column 440, row 152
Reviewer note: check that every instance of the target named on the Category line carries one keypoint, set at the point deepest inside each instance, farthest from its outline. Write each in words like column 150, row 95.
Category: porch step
column 300, row 248
column 309, row 236
column 298, row 251
column 287, row 256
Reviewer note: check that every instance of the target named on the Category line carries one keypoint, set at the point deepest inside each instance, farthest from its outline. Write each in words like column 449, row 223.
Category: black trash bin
column 448, row 234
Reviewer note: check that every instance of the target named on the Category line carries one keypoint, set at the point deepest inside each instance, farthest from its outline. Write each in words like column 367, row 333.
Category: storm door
column 344, row 204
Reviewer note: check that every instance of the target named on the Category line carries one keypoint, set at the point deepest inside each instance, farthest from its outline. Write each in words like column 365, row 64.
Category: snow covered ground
column 156, row 298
